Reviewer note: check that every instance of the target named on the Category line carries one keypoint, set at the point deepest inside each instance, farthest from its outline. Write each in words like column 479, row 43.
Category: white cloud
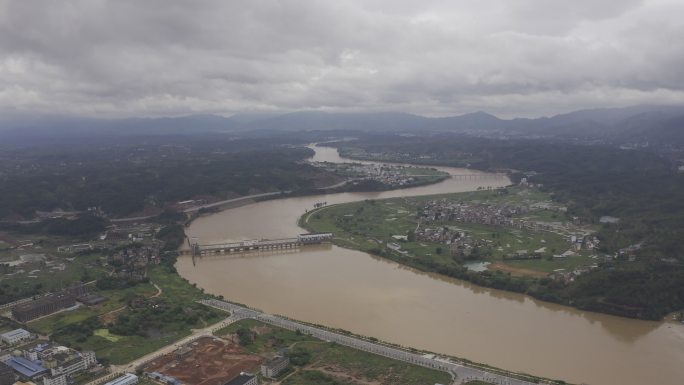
column 435, row 57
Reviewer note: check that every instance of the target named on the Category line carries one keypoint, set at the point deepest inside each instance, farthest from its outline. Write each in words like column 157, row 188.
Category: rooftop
column 122, row 379
column 15, row 333
column 242, row 379
column 274, row 361
column 25, row 367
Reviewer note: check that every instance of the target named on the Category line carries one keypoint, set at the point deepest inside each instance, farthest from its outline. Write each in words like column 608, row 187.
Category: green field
column 35, row 278
column 313, row 377
column 423, row 171
column 119, row 349
column 371, row 367
column 106, row 334
column 128, row 348
column 370, row 225
column 115, row 300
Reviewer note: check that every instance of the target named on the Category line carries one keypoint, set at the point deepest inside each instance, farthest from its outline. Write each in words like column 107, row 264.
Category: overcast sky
column 430, row 57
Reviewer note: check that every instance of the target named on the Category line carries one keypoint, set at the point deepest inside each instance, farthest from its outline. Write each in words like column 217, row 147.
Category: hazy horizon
column 433, row 58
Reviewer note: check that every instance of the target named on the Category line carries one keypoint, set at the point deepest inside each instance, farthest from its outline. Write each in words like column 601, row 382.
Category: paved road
column 234, row 200
column 131, row 219
column 117, row 370
column 336, row 185
column 461, row 372
column 199, row 333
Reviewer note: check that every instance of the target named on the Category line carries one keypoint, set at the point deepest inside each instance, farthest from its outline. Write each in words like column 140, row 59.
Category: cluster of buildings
column 30, row 264
column 129, row 232
column 49, row 303
column 567, row 276
column 387, row 174
column 116, row 235
column 77, row 248
column 163, row 378
column 502, row 215
column 272, row 367
column 457, row 241
column 584, row 242
column 44, row 363
column 440, row 234
column 480, row 213
column 27, row 259
column 135, row 260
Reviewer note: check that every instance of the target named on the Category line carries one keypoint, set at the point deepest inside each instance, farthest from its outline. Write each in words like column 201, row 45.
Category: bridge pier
column 263, row 244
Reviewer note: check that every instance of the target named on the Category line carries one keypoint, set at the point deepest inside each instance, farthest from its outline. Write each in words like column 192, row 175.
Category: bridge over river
column 197, row 249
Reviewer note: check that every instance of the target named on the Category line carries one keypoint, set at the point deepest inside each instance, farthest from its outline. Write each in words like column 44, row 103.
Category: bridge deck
column 248, row 243
column 260, row 244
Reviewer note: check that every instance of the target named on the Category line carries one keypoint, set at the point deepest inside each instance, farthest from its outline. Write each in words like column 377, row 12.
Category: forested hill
column 126, row 178
column 638, row 125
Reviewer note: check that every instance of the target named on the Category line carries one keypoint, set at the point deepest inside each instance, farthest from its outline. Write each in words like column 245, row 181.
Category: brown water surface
column 355, row 291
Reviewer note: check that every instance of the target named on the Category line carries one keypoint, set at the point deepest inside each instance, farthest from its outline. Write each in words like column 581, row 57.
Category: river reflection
column 373, row 296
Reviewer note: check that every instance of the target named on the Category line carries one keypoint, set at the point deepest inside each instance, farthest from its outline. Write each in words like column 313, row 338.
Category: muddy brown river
column 355, row 291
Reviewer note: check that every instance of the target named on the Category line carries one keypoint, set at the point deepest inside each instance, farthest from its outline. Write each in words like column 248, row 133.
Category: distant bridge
column 197, row 249
column 484, row 176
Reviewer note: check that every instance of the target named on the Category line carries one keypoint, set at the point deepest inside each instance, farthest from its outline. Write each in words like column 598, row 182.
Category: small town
column 26, row 358
column 500, row 215
column 391, row 176
column 511, row 216
column 33, row 360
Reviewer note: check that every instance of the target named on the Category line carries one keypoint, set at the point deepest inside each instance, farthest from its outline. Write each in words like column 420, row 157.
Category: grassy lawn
column 313, row 377
column 106, row 334
column 369, row 366
column 422, row 171
column 127, row 348
column 146, row 381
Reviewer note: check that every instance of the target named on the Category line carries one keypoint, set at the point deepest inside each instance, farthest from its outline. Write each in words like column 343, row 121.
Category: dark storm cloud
column 524, row 57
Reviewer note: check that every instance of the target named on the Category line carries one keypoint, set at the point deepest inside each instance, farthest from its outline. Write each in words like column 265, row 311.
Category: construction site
column 206, row 361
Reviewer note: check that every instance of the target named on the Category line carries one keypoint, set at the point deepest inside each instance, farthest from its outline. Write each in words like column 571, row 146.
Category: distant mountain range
column 654, row 124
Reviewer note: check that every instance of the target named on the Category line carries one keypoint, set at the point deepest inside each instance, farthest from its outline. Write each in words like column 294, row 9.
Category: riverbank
column 463, row 369
column 380, row 228
column 351, row 290
column 341, row 187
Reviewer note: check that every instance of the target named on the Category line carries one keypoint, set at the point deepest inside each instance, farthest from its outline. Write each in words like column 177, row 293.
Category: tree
column 245, row 335
column 299, row 356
